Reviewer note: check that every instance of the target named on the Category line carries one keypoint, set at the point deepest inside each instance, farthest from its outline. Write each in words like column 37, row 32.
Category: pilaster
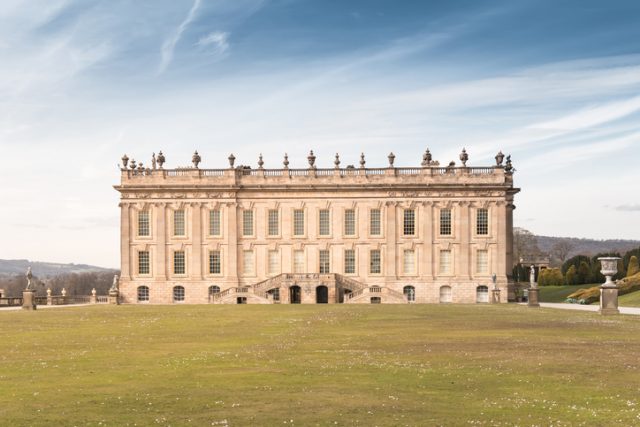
column 160, row 256
column 125, row 241
column 427, row 228
column 463, row 258
column 196, row 238
column 390, row 229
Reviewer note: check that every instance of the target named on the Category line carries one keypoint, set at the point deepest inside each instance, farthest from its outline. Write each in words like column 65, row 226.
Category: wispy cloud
column 218, row 40
column 628, row 208
column 169, row 44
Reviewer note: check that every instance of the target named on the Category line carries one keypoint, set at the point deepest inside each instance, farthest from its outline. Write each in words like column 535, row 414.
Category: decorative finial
column 140, row 167
column 426, row 158
column 392, row 158
column 499, row 158
column 125, row 160
column 464, row 157
column 508, row 167
column 160, row 159
column 337, row 161
column 312, row 160
column 196, row 159
column 260, row 161
column 232, row 160
column 153, row 161
column 362, row 161
column 132, row 165
column 285, row 162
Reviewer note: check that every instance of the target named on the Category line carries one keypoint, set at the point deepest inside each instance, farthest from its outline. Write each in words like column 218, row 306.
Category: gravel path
column 623, row 310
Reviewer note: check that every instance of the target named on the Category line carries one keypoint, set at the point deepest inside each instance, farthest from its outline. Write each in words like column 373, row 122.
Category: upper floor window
column 273, row 262
column 445, row 222
column 482, row 261
column 143, row 262
column 273, row 221
column 248, row 265
column 214, row 222
column 375, row 221
column 215, row 264
column 374, row 261
column 349, row 261
column 409, row 261
column 298, row 222
column 247, row 222
column 179, row 228
column 324, row 225
column 409, row 225
column 144, row 226
column 482, row 222
column 179, row 264
column 298, row 261
column 350, row 222
column 325, row 264
column 445, row 261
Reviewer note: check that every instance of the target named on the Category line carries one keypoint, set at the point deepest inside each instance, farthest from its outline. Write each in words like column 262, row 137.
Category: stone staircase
column 385, row 295
column 248, row 295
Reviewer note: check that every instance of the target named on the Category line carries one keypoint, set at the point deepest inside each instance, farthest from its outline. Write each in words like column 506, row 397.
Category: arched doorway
column 445, row 294
column 322, row 295
column 482, row 294
column 409, row 293
column 295, row 295
column 213, row 290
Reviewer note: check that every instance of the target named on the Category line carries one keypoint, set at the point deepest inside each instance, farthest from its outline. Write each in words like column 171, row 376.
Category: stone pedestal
column 533, row 297
column 93, row 299
column 28, row 300
column 495, row 296
column 608, row 300
column 113, row 297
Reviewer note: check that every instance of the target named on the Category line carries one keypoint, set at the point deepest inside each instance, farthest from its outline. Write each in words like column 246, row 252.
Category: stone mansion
column 425, row 234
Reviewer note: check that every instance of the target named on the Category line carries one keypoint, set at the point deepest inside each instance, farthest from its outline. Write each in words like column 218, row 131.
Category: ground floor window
column 275, row 293
column 178, row 293
column 376, row 300
column 143, row 293
column 409, row 293
column 482, row 294
column 445, row 294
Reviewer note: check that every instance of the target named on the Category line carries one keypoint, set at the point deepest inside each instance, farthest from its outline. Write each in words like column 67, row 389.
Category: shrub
column 570, row 276
column 590, row 295
column 634, row 268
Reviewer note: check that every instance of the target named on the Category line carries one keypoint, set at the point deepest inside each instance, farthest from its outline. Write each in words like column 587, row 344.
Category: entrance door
column 445, row 294
column 322, row 295
column 295, row 295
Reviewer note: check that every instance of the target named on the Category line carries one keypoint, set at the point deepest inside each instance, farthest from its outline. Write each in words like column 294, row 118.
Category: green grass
column 630, row 300
column 385, row 365
column 559, row 293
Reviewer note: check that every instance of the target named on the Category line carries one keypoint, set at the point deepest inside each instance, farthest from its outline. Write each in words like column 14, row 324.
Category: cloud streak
column 169, row 45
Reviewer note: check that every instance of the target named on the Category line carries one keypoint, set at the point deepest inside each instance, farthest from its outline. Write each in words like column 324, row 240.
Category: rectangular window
column 214, row 262
column 214, row 222
column 374, row 222
column 349, row 261
column 445, row 261
column 350, row 222
column 298, row 222
column 482, row 261
column 482, row 222
column 248, row 266
column 179, row 265
column 374, row 262
column 273, row 221
column 144, row 228
column 178, row 223
column 274, row 262
column 143, row 262
column 445, row 222
column 247, row 222
column 409, row 226
column 325, row 265
column 324, row 227
column 409, row 261
column 298, row 261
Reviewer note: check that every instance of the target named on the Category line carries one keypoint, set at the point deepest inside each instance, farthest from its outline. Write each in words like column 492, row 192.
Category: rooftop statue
column 160, row 159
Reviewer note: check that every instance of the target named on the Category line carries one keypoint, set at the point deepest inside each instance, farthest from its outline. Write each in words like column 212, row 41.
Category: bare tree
column 561, row 250
column 525, row 245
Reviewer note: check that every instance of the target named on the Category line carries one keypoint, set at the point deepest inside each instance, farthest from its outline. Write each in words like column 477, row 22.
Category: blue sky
column 554, row 83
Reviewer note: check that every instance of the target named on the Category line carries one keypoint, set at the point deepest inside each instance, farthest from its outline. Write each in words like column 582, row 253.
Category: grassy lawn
column 393, row 365
column 559, row 293
column 630, row 300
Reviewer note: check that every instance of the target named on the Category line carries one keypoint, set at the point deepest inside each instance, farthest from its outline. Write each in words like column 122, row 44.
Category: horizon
column 555, row 86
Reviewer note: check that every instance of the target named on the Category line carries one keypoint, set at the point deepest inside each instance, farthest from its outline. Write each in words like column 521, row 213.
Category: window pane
column 374, row 222
column 482, row 261
column 179, row 263
column 214, row 262
column 445, row 222
column 350, row 222
column 178, row 293
column 143, row 293
column 409, row 228
column 214, row 222
column 349, row 261
column 482, row 222
column 248, row 264
column 445, row 262
column 274, row 222
column 409, row 261
column 247, row 222
column 324, row 228
column 143, row 262
column 274, row 262
column 298, row 222
column 324, row 262
column 143, row 224
column 374, row 261
column 178, row 223
column 409, row 292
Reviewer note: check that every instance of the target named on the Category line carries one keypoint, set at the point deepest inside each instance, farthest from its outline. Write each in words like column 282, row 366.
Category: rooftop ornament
column 260, row 162
column 160, row 159
column 195, row 159
column 140, row 167
column 336, row 162
column 153, row 161
column 426, row 158
column 464, row 157
column 499, row 158
column 285, row 162
column 232, row 160
column 508, row 167
column 125, row 160
column 132, row 165
column 362, row 161
column 392, row 158
column 312, row 160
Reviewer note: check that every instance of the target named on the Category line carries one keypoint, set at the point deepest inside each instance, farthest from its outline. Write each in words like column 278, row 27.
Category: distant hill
column 587, row 246
column 11, row 267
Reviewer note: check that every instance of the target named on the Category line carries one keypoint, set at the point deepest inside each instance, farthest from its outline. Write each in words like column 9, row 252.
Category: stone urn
column 608, row 290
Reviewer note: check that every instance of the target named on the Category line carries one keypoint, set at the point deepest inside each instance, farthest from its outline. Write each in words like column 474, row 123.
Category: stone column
column 125, row 239
column 160, row 256
column 28, row 300
column 428, row 240
column 390, row 230
column 232, row 272
column 466, row 223
column 196, row 239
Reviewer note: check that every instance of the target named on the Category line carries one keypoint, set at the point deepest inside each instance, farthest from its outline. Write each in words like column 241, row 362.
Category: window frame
column 328, row 212
column 485, row 225
column 324, row 267
column 245, row 223
column 212, row 213
column 294, row 223
column 148, row 272
column 441, row 225
column 277, row 223
column 211, row 259
column 354, row 260
column 405, row 226
column 149, row 228
column 178, row 289
column 278, row 269
column 354, row 223
column 184, row 262
column 295, row 264
column 184, row 223
column 450, row 265
column 379, row 272
column 414, row 262
column 252, row 257
column 146, row 293
column 380, row 221
column 486, row 262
